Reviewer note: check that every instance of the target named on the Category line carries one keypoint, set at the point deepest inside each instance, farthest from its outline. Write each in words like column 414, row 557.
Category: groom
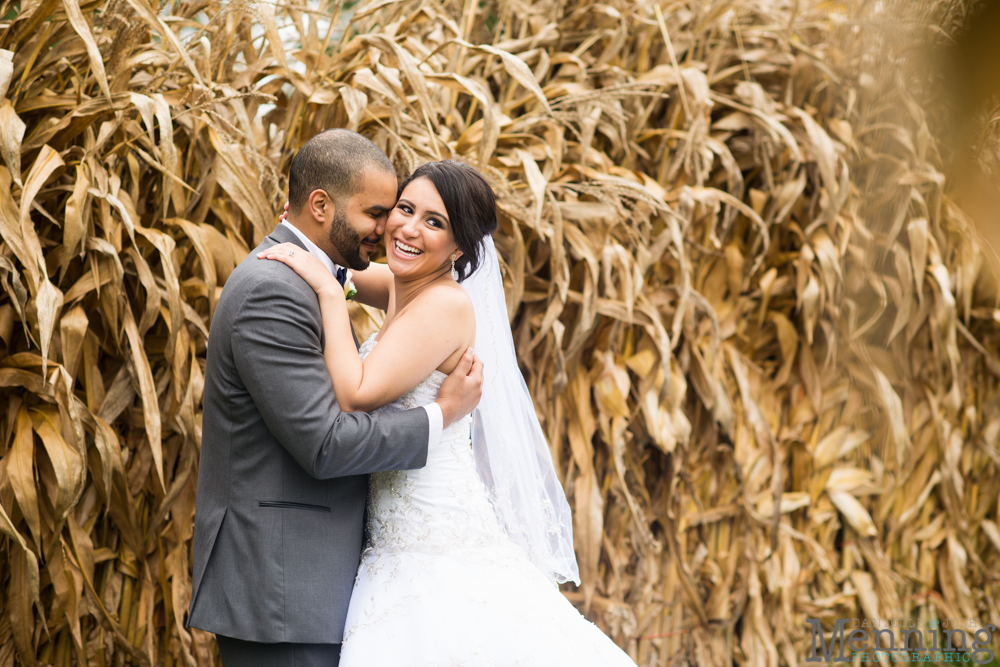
column 283, row 477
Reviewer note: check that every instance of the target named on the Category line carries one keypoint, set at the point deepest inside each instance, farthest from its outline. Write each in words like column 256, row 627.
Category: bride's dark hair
column 470, row 203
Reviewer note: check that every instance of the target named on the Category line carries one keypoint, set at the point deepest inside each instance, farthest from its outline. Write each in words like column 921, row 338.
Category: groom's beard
column 347, row 241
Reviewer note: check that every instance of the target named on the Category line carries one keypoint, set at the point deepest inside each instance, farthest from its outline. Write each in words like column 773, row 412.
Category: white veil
column 511, row 452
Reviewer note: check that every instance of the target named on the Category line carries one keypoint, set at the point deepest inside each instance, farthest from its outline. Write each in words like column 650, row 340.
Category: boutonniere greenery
column 349, row 290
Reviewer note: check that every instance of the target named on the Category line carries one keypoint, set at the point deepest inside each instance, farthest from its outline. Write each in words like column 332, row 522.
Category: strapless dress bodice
column 442, row 508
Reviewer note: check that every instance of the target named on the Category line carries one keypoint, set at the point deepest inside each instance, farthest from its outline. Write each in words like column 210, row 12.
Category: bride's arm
column 433, row 332
column 436, row 329
column 373, row 285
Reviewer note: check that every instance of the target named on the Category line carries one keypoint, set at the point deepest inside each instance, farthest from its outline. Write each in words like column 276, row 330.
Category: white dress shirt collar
column 313, row 249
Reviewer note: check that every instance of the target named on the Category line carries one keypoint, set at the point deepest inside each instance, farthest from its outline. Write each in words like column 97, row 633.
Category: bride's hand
column 308, row 267
column 284, row 214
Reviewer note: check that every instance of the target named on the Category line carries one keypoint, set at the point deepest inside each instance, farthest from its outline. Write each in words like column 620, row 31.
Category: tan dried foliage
column 756, row 330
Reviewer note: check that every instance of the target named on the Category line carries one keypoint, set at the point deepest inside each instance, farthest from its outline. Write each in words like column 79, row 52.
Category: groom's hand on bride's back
column 461, row 391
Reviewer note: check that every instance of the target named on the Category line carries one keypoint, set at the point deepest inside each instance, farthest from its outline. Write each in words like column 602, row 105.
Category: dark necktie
column 341, row 275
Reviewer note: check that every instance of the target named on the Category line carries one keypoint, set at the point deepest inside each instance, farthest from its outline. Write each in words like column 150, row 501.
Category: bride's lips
column 400, row 254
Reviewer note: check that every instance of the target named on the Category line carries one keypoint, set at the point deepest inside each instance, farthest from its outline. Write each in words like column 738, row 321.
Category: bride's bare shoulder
column 445, row 309
column 437, row 326
column 446, row 299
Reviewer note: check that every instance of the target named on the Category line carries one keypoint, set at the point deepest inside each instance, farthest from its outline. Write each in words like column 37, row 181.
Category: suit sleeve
column 278, row 353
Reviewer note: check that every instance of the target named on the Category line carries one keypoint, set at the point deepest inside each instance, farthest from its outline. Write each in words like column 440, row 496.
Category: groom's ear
column 320, row 207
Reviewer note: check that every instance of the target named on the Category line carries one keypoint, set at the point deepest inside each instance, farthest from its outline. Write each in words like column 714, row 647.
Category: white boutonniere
column 350, row 291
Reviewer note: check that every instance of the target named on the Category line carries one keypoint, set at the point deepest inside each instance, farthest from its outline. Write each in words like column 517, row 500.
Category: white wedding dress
column 441, row 584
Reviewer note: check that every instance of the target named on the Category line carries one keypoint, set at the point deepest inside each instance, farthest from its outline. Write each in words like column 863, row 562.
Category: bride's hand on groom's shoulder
column 308, row 267
column 460, row 392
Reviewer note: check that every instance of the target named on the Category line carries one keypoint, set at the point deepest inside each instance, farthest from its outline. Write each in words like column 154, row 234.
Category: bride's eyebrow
column 410, row 204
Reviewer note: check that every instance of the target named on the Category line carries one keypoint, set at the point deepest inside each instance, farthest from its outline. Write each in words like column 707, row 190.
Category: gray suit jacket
column 282, row 481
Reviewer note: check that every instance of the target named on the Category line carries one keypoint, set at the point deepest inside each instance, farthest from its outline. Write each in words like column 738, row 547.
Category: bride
column 463, row 555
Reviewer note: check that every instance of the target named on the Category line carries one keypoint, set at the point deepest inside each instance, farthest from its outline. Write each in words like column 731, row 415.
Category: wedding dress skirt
column 441, row 583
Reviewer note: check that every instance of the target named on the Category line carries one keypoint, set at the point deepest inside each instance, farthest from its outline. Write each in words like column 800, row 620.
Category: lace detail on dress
column 405, row 508
column 442, row 508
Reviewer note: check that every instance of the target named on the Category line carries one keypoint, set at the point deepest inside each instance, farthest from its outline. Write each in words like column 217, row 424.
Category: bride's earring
column 454, row 273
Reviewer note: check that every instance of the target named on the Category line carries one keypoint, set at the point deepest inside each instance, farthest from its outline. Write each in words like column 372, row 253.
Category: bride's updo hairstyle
column 470, row 204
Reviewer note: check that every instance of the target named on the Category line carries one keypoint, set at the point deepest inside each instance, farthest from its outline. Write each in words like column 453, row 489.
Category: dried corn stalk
column 756, row 330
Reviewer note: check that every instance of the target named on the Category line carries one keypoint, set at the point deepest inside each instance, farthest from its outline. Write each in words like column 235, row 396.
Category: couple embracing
column 361, row 509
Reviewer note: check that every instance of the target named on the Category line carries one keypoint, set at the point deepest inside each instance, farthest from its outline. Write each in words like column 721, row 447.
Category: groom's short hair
column 334, row 161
